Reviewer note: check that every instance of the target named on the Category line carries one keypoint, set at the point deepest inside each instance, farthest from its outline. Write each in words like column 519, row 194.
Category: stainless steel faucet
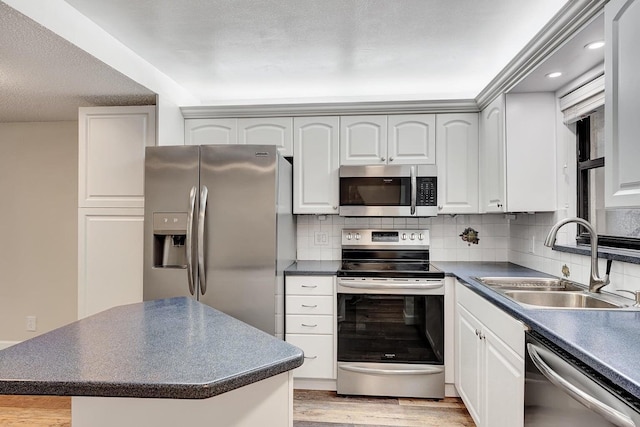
column 595, row 282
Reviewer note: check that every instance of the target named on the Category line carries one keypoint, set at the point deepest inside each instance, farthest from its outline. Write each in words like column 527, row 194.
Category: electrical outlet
column 31, row 323
column 321, row 238
column 532, row 248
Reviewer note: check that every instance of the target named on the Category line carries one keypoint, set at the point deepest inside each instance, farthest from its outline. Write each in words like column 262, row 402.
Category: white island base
column 266, row 403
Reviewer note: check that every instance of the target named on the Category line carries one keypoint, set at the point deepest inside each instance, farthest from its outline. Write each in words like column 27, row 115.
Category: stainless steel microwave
column 396, row 191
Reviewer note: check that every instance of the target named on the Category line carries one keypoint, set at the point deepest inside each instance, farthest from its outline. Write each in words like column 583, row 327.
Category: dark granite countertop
column 313, row 268
column 608, row 341
column 172, row 348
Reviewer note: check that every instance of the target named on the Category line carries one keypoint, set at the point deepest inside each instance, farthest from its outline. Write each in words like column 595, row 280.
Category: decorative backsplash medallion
column 470, row 236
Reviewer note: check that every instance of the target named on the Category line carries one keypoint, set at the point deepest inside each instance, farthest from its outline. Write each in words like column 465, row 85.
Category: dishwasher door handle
column 612, row 415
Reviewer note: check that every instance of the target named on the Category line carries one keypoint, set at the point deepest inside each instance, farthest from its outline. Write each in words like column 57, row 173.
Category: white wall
column 38, row 226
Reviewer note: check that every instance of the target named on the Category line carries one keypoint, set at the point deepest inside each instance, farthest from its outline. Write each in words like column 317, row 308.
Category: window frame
column 584, row 164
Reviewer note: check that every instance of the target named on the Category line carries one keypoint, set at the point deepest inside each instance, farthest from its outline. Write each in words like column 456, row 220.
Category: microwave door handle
column 189, row 242
column 413, row 189
column 612, row 415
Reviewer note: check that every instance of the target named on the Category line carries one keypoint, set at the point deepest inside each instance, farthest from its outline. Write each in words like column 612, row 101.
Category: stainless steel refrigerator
column 219, row 227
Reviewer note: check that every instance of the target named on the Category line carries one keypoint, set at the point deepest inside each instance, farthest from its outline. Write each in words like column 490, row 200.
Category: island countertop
column 173, row 348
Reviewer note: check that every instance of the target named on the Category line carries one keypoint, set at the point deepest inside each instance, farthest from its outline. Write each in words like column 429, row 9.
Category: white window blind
column 583, row 100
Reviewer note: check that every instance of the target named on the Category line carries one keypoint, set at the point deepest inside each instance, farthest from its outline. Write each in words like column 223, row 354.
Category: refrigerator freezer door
column 240, row 232
column 170, row 175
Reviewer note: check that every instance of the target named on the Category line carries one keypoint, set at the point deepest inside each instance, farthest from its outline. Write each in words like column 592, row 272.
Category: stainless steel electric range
column 390, row 315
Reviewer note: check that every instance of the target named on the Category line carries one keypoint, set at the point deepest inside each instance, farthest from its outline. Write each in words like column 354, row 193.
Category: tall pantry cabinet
column 112, row 142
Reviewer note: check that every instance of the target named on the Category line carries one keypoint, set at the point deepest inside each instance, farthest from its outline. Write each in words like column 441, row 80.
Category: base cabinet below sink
column 489, row 361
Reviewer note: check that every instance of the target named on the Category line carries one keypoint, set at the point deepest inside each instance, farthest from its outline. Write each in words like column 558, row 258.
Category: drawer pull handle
column 311, row 357
column 308, row 326
column 310, row 306
column 309, row 286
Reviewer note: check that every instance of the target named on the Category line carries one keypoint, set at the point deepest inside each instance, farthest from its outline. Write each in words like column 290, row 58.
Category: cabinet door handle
column 308, row 326
column 309, row 286
column 310, row 306
column 311, row 357
column 382, row 159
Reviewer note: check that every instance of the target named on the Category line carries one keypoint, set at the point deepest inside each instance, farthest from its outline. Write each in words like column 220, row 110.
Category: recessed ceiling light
column 554, row 74
column 595, row 45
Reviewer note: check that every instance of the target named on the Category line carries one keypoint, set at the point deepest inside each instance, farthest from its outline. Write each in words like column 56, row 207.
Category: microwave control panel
column 427, row 191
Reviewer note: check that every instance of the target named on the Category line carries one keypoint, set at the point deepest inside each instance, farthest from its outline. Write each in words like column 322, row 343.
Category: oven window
column 375, row 191
column 391, row 328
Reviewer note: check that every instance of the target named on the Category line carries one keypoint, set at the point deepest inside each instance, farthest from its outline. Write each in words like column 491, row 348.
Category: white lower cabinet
column 310, row 325
column 489, row 361
column 110, row 247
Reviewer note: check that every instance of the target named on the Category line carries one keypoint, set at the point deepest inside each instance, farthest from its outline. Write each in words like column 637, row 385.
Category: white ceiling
column 229, row 52
column 572, row 60
column 44, row 78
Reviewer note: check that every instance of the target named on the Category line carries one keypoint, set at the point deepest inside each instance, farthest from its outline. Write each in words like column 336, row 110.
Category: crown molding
column 570, row 19
column 330, row 109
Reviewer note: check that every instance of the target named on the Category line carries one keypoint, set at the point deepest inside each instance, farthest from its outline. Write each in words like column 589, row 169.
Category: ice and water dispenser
column 169, row 240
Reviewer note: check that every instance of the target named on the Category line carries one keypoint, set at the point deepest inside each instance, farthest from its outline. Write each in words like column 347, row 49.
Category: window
column 615, row 227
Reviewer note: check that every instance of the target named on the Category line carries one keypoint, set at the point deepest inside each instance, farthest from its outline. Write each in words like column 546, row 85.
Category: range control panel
column 365, row 237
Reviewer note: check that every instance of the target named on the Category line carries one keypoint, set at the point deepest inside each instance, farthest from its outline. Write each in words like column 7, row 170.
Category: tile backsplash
column 526, row 248
column 515, row 238
column 319, row 237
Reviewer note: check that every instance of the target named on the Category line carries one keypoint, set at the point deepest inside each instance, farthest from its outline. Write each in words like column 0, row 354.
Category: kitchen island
column 158, row 363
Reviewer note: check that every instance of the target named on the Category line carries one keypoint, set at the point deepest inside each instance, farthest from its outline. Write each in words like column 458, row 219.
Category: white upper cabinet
column 518, row 154
column 457, row 148
column 210, row 131
column 393, row 140
column 411, row 139
column 276, row 131
column 492, row 158
column 111, row 148
column 363, row 140
column 622, row 103
column 530, row 127
column 316, row 164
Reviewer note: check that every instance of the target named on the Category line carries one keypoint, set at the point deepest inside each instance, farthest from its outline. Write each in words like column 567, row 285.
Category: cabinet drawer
column 319, row 360
column 302, row 324
column 309, row 285
column 298, row 304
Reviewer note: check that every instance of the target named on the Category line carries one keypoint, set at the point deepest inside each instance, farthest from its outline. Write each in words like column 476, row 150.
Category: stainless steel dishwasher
column 561, row 391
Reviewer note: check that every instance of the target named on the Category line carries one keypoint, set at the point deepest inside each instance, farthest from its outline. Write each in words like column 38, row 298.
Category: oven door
column 390, row 343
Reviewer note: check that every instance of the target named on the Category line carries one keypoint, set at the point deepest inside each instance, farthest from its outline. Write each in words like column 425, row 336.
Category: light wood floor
column 311, row 409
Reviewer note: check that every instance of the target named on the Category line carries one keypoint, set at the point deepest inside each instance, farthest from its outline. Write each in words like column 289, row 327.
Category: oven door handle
column 374, row 371
column 370, row 285
column 612, row 415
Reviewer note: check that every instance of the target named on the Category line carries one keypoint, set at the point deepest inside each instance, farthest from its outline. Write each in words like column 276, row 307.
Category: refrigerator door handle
column 189, row 242
column 201, row 217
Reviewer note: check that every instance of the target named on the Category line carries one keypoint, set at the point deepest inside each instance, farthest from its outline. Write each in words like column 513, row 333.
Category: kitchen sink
column 552, row 299
column 551, row 292
column 550, row 284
